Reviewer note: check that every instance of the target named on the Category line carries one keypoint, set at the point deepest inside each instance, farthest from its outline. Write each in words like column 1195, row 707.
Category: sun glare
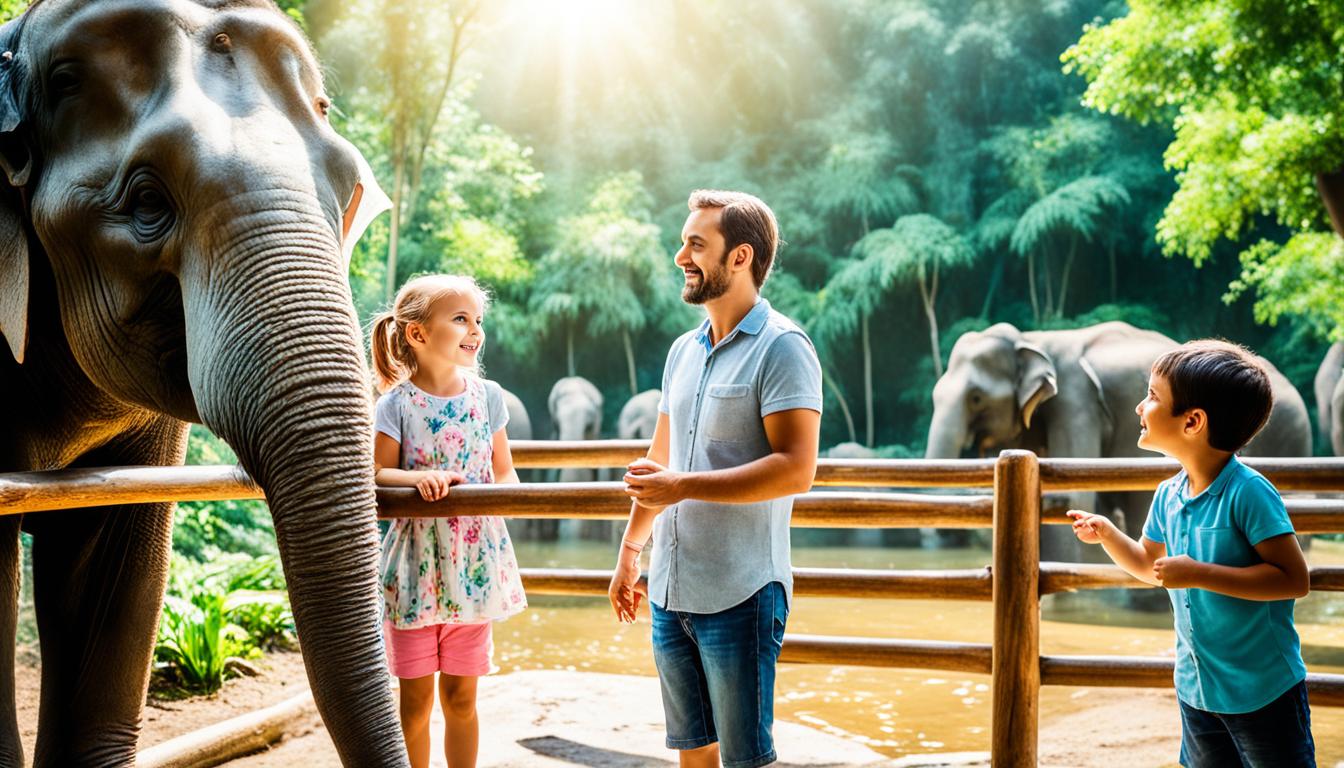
column 578, row 19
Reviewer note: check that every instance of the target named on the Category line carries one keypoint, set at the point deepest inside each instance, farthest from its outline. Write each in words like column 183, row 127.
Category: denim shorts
column 1278, row 735
column 717, row 672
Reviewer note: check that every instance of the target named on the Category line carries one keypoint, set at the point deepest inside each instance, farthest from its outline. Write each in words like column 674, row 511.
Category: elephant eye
column 149, row 210
column 63, row 82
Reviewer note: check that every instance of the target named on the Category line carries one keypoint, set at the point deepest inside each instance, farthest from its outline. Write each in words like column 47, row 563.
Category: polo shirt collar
column 751, row 324
column 1219, row 483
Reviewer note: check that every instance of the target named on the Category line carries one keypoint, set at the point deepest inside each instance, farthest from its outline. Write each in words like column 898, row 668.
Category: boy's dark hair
column 1227, row 381
column 745, row 219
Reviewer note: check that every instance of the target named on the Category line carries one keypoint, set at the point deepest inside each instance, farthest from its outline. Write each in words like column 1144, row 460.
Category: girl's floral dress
column 447, row 570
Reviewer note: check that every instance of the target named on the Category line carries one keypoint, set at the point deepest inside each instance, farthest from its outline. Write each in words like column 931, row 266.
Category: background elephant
column 171, row 224
column 575, row 406
column 1330, row 398
column 639, row 416
column 520, row 424
column 850, row 451
column 1072, row 394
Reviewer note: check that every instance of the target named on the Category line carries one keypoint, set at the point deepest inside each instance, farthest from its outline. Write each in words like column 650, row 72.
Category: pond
column 896, row 711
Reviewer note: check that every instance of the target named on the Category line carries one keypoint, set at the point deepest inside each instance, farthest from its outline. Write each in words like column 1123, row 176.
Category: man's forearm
column 1262, row 581
column 771, row 477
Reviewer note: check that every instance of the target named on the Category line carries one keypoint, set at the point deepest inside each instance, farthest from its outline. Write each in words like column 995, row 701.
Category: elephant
column 1330, row 398
column 174, row 214
column 639, row 416
column 1072, row 394
column 520, row 425
column 575, row 405
column 850, row 451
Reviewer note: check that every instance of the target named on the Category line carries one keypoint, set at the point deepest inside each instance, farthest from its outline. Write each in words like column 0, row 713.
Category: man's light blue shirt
column 1232, row 655
column 709, row 557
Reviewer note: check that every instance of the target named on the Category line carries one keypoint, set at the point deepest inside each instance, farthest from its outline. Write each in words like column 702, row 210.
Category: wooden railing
column 1014, row 582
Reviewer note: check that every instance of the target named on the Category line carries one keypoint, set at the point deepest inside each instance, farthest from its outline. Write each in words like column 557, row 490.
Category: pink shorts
column 463, row 650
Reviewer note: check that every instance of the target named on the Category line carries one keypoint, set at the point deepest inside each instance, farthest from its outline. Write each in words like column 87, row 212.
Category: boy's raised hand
column 1090, row 528
column 434, row 483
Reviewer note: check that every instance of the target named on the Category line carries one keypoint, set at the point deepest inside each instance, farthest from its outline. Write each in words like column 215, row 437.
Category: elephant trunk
column 947, row 434
column 277, row 370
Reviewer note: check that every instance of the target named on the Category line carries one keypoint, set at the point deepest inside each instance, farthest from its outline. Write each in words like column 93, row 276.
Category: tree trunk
column 1031, row 285
column 1049, row 286
column 630, row 363
column 829, row 380
column 1064, row 279
column 868, row 381
column 569, row 348
column 928, row 295
column 1110, row 256
column 995, row 278
column 1330, row 186
column 394, row 237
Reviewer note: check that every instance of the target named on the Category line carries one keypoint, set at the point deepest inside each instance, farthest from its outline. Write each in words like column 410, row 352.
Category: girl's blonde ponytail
column 386, row 367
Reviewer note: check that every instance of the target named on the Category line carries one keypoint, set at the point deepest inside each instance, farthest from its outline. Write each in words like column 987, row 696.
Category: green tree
column 1071, row 213
column 607, row 273
column 1252, row 91
column 916, row 249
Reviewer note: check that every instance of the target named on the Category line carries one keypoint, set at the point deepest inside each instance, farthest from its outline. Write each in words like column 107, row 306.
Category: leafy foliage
column 234, row 608
column 1252, row 91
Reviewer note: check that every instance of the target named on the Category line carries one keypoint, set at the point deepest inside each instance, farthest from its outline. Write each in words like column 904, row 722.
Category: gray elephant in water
column 576, row 414
column 639, row 416
column 172, row 214
column 1330, row 398
column 520, row 424
column 1072, row 394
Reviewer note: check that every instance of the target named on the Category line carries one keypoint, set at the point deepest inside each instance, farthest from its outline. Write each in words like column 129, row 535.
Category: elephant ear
column 1036, row 379
column 16, row 159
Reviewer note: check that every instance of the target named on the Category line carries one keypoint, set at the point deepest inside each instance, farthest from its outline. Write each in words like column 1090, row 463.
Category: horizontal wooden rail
column 1287, row 474
column 607, row 501
column 1071, row 577
column 963, row 584
column 1152, row 672
column 74, row 488
column 880, row 652
column 1308, row 515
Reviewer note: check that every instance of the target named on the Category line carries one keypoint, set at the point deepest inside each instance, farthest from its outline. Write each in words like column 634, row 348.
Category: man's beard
column 712, row 284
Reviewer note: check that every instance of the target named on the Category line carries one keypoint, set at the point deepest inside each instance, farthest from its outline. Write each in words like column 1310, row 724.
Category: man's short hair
column 745, row 219
column 1227, row 381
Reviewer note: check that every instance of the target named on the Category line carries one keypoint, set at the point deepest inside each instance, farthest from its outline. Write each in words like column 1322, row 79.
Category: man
column 736, row 438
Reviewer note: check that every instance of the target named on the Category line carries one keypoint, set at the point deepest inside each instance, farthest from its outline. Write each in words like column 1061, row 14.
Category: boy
column 1219, row 539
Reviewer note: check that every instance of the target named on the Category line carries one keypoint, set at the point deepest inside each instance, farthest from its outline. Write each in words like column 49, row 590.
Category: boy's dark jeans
column 1278, row 735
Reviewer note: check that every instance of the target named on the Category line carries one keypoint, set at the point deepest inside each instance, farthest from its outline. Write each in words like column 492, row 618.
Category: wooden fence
column 1012, row 507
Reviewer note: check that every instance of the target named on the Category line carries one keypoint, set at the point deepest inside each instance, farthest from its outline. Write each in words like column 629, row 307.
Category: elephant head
column 995, row 381
column 172, row 162
column 576, row 414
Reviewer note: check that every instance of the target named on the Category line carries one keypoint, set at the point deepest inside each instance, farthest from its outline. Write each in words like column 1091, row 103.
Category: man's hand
column 1091, row 528
column 434, row 483
column 625, row 591
column 652, row 485
column 1179, row 572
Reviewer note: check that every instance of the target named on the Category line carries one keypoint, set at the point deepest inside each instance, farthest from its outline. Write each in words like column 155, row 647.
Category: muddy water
column 893, row 711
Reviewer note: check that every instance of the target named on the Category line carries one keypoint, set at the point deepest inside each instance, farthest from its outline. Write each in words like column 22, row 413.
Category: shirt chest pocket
column 730, row 414
column 1223, row 546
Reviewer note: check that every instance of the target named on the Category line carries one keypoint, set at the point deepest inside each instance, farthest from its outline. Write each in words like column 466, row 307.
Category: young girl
column 444, row 579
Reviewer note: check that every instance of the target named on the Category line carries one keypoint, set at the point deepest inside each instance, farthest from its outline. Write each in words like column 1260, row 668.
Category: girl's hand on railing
column 1090, row 528
column 625, row 591
column 434, row 483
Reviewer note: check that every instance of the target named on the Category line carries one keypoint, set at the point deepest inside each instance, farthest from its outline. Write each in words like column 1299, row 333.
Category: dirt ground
column 556, row 718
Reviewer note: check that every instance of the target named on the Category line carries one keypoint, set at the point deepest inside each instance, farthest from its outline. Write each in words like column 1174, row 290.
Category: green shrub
column 236, row 607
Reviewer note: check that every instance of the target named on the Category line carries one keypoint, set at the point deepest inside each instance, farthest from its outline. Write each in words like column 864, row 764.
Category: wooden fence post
column 1016, row 680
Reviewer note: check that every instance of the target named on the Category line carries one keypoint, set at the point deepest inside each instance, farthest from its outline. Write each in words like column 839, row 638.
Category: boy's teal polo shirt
column 1232, row 655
